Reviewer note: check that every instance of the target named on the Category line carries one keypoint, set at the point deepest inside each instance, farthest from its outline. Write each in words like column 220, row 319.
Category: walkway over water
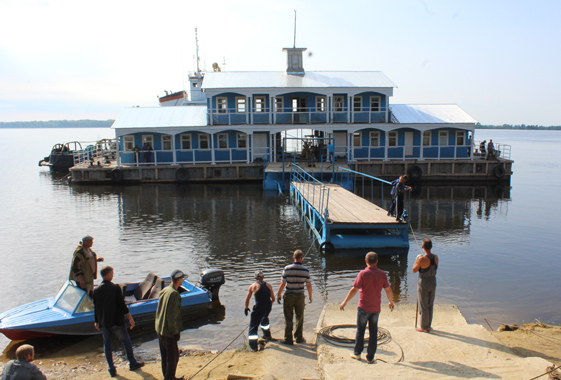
column 344, row 206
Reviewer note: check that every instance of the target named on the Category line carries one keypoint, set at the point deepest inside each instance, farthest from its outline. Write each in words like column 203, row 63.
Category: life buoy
column 326, row 246
column 182, row 175
column 499, row 171
column 415, row 172
column 116, row 174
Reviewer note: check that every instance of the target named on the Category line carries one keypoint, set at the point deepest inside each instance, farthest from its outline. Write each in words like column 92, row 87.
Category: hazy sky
column 498, row 60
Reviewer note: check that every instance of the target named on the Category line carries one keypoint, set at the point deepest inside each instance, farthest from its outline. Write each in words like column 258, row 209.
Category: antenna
column 223, row 63
column 197, row 59
column 294, row 28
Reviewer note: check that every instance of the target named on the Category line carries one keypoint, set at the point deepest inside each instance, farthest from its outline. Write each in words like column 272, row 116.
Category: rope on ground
column 548, row 371
column 383, row 337
column 219, row 353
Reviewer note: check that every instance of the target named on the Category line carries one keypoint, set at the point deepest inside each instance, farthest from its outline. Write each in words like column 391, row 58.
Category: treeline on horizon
column 58, row 124
column 109, row 123
column 518, row 126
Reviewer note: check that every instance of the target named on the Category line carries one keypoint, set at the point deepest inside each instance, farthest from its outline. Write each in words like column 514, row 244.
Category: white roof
column 311, row 79
column 430, row 114
column 161, row 117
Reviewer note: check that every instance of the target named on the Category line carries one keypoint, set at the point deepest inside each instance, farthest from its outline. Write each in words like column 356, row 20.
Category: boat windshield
column 72, row 297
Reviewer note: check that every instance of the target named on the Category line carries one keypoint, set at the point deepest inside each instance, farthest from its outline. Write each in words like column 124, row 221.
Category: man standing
column 294, row 277
column 264, row 298
column 369, row 283
column 490, row 149
column 110, row 313
column 426, row 265
column 21, row 368
column 400, row 189
column 168, row 325
column 84, row 265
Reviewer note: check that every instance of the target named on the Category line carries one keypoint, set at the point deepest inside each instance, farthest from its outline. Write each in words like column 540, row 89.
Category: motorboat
column 71, row 310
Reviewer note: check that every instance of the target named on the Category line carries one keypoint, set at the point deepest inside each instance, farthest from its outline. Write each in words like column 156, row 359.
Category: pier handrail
column 297, row 174
column 377, row 179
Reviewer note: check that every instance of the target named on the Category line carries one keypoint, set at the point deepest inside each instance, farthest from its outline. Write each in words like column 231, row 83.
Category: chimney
column 295, row 64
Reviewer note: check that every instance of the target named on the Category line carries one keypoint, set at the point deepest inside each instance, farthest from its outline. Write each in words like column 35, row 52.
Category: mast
column 197, row 51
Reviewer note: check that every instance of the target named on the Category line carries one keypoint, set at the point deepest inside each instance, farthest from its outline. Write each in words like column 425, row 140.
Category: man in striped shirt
column 294, row 277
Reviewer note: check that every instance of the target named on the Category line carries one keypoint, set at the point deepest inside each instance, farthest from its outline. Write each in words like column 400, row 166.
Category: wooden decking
column 344, row 207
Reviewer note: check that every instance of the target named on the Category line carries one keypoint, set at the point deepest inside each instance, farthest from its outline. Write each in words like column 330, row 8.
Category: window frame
column 263, row 104
column 339, row 99
column 378, row 99
column 222, row 137
column 428, row 135
column 359, row 136
column 206, row 138
column 444, row 134
column 377, row 136
column 462, row 135
column 359, row 98
column 392, row 135
column 222, row 104
column 148, row 138
column 186, row 137
column 279, row 101
column 168, row 139
column 241, row 137
column 241, row 100
column 126, row 140
column 321, row 103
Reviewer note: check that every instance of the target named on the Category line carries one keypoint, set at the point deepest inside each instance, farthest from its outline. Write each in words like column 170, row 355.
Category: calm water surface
column 499, row 248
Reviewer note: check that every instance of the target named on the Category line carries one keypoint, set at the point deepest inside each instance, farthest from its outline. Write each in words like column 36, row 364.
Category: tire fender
column 499, row 171
column 182, row 175
column 116, row 174
column 415, row 172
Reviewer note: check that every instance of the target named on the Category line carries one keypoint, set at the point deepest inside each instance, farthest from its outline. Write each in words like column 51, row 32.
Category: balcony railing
column 403, row 152
column 302, row 115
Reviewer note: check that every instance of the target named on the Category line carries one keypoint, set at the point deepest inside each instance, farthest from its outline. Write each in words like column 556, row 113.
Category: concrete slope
column 454, row 349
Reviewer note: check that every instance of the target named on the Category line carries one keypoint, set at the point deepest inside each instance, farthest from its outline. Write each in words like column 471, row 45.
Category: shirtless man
column 426, row 265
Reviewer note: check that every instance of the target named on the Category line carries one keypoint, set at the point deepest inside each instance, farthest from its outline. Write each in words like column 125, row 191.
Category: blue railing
column 315, row 192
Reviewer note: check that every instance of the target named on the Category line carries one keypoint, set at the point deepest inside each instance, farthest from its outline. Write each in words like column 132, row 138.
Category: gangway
column 340, row 219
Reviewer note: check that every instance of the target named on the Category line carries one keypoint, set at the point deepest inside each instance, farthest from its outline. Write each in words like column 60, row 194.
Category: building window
column 426, row 138
column 375, row 138
column 357, row 103
column 240, row 105
column 260, row 104
column 278, row 105
column 339, row 103
column 392, row 138
column 221, row 105
column 356, row 139
column 222, row 141
column 166, row 142
column 443, row 138
column 185, row 141
column 242, row 140
column 320, row 104
column 460, row 138
column 374, row 104
column 203, row 141
column 148, row 139
column 128, row 142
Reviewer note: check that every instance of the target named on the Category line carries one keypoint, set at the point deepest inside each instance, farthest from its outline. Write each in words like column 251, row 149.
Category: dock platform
column 341, row 219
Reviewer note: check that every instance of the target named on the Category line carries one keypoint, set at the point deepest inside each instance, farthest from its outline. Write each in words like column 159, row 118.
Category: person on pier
column 369, row 284
column 400, row 190
column 264, row 298
column 426, row 265
column 294, row 278
column 84, row 265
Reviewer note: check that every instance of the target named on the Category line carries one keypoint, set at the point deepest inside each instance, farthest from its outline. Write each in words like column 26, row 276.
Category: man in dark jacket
column 21, row 368
column 84, row 265
column 110, row 313
column 168, row 325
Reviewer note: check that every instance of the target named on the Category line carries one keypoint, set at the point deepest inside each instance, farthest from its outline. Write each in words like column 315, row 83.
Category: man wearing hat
column 264, row 298
column 168, row 324
column 84, row 265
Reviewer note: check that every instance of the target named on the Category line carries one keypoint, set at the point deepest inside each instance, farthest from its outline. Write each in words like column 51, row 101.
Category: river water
column 498, row 247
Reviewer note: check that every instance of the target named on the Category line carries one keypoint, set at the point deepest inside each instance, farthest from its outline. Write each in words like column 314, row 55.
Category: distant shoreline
column 109, row 123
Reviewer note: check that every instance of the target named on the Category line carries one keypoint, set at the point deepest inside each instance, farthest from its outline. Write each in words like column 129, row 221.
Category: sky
column 70, row 59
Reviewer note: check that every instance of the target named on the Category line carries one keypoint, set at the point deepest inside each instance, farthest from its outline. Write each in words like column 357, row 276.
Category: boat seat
column 156, row 289
column 142, row 291
column 123, row 289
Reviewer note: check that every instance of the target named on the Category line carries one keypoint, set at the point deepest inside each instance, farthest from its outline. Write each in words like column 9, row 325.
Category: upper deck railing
column 300, row 115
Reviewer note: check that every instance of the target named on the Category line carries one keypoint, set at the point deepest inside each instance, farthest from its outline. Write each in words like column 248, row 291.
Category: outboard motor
column 211, row 280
